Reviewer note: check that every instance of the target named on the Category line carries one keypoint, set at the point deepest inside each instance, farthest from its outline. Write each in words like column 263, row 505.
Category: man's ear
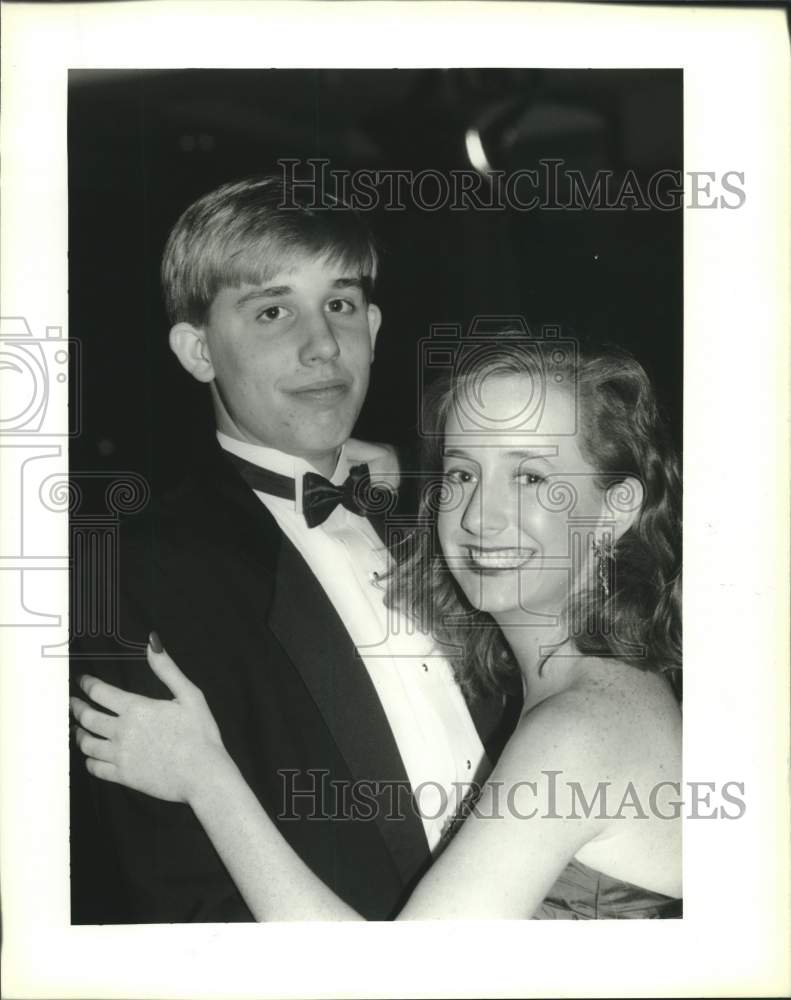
column 623, row 502
column 188, row 343
column 374, row 322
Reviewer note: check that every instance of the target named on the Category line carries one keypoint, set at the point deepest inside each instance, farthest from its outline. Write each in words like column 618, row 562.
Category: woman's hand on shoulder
column 151, row 745
column 381, row 459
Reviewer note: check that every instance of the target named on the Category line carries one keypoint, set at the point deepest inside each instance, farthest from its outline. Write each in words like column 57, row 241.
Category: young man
column 266, row 590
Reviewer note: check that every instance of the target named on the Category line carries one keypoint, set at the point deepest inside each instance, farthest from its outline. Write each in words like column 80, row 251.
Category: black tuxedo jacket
column 241, row 613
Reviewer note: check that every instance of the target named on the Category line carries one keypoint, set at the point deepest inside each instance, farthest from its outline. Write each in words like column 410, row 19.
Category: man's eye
column 459, row 475
column 341, row 306
column 271, row 313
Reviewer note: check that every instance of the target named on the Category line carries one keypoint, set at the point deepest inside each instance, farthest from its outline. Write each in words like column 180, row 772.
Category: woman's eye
column 340, row 306
column 530, row 478
column 271, row 313
column 459, row 475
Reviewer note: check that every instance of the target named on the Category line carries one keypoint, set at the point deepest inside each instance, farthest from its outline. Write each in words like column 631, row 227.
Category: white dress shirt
column 437, row 739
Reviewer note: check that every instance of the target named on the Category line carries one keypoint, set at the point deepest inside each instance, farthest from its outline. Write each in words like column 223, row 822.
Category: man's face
column 291, row 359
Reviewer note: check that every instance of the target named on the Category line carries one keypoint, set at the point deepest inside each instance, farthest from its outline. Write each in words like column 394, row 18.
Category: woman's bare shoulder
column 638, row 704
column 615, row 721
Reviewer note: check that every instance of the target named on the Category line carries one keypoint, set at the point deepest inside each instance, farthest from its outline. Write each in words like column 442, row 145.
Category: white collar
column 281, row 462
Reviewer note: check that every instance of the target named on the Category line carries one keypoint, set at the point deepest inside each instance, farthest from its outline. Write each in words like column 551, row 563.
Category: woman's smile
column 496, row 560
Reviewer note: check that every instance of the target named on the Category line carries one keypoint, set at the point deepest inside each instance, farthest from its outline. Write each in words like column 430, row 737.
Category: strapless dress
column 582, row 893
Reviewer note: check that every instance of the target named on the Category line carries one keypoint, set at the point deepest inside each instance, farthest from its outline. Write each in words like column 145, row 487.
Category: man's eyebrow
column 348, row 283
column 271, row 292
column 275, row 291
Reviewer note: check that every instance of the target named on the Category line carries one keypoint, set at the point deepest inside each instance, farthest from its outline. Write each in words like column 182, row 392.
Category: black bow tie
column 320, row 497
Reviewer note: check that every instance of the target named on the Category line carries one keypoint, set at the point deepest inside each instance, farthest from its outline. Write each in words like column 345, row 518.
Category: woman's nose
column 320, row 343
column 485, row 513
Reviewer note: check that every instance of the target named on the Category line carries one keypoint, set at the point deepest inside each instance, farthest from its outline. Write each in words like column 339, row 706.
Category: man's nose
column 319, row 343
column 486, row 514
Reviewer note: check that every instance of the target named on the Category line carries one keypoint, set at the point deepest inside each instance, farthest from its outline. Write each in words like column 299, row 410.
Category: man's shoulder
column 170, row 514
column 211, row 508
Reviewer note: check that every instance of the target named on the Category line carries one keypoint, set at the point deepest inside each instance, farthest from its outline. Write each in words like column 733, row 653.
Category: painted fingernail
column 156, row 643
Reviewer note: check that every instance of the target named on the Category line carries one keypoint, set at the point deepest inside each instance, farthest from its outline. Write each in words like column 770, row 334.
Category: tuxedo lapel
column 309, row 629
column 305, row 623
column 379, row 523
column 233, row 513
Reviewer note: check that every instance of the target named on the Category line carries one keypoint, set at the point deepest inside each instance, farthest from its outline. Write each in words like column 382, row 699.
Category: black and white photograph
column 539, row 547
column 373, row 446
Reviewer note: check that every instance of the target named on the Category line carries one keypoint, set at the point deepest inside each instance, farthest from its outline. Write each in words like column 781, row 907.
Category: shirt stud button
column 425, row 667
column 469, row 765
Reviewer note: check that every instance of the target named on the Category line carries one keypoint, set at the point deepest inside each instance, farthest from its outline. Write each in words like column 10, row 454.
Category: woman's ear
column 188, row 343
column 623, row 502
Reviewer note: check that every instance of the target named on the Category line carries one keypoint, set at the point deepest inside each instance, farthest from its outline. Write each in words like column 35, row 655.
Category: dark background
column 143, row 144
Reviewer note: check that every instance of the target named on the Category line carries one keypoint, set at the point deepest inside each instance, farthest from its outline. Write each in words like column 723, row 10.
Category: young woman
column 548, row 554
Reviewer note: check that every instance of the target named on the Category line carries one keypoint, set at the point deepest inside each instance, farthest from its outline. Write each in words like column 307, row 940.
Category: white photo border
column 733, row 938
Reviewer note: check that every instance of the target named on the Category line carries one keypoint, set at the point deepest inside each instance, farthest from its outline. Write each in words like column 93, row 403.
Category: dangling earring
column 603, row 552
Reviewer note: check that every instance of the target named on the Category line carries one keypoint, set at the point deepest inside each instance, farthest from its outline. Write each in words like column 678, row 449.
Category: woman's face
column 522, row 504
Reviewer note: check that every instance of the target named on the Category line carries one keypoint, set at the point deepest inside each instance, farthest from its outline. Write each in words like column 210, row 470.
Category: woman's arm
column 172, row 750
column 274, row 881
column 500, row 864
